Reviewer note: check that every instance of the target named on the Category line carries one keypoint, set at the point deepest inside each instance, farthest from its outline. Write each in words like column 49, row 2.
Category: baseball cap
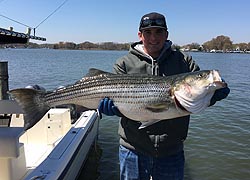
column 152, row 20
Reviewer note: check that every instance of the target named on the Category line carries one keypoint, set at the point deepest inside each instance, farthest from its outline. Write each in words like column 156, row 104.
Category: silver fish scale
column 123, row 89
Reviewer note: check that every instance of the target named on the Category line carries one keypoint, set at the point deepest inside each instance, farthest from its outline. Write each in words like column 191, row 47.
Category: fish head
column 193, row 91
column 199, row 81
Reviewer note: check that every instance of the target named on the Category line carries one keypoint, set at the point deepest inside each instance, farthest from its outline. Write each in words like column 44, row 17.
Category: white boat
column 53, row 148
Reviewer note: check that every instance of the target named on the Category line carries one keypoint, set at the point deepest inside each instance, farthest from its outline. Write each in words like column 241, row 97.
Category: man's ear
column 167, row 35
column 140, row 35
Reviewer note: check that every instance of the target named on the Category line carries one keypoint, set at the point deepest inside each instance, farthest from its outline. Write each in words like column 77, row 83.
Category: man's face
column 153, row 40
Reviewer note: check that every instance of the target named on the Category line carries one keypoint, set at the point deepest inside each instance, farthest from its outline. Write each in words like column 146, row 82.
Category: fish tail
column 33, row 104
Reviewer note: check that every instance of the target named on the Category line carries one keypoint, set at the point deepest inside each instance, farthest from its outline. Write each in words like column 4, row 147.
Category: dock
column 12, row 37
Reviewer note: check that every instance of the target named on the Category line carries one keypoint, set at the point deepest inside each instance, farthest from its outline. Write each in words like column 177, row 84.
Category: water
column 217, row 146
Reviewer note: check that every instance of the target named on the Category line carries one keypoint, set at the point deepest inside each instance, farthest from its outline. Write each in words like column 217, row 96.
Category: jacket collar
column 137, row 49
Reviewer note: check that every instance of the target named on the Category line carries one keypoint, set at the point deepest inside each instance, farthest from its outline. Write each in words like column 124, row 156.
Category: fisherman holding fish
column 154, row 90
column 155, row 151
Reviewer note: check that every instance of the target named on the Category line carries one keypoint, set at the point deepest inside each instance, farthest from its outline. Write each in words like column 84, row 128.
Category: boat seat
column 9, row 140
column 12, row 157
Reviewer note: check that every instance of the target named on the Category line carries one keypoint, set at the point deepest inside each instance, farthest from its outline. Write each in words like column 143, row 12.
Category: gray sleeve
column 119, row 66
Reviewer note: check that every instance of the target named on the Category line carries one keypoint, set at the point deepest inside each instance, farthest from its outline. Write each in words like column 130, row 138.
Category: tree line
column 220, row 43
column 92, row 46
column 73, row 46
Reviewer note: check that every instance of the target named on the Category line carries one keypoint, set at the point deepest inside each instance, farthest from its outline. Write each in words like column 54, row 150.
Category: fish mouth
column 221, row 84
column 218, row 81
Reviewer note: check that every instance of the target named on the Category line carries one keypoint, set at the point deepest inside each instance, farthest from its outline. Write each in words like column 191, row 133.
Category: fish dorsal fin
column 92, row 72
column 95, row 72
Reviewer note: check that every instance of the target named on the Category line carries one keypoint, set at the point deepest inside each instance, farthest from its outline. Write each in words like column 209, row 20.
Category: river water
column 218, row 145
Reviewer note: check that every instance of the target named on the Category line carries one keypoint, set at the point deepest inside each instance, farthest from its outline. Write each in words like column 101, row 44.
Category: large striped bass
column 142, row 98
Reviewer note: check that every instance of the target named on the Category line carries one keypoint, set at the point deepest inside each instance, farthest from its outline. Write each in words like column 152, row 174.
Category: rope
column 51, row 14
column 15, row 21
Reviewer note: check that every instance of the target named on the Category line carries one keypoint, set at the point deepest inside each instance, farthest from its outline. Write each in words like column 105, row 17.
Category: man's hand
column 219, row 94
column 107, row 107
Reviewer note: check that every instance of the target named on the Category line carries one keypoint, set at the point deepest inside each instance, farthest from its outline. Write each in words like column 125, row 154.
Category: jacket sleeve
column 120, row 67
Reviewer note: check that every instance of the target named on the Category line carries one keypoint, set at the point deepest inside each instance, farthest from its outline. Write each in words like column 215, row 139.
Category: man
column 155, row 151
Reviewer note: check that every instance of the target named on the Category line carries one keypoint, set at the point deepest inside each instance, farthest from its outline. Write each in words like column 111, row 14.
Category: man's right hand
column 107, row 107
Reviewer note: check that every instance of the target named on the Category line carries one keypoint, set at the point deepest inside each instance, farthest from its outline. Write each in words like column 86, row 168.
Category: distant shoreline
column 220, row 44
column 98, row 49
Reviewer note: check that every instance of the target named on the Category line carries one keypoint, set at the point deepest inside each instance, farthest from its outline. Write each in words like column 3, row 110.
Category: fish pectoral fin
column 158, row 107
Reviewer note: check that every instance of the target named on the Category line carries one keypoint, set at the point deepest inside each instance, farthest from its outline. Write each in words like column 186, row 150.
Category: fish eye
column 200, row 75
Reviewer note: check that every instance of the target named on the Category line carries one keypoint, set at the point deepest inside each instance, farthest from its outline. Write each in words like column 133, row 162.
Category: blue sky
column 117, row 21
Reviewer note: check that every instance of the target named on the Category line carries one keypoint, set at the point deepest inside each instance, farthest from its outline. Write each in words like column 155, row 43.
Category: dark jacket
column 165, row 137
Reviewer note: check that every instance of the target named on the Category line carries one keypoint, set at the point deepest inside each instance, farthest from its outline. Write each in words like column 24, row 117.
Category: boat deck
column 53, row 148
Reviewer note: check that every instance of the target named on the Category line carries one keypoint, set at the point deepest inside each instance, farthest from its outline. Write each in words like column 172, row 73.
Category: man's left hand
column 219, row 94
